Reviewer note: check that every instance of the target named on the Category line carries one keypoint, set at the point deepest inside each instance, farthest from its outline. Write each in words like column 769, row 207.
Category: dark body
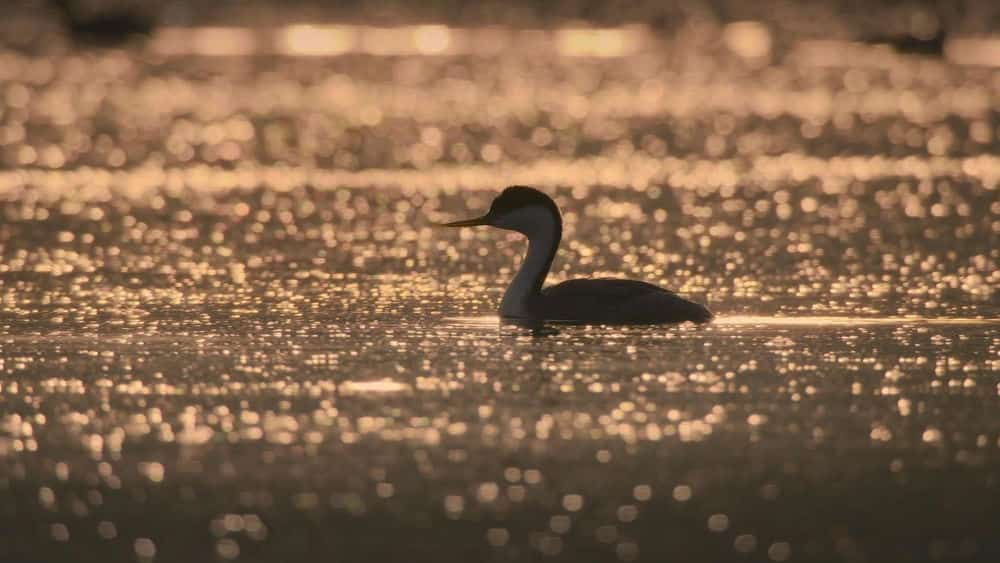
column 614, row 301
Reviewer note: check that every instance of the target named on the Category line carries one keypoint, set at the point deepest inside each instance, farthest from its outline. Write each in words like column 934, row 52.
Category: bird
column 606, row 301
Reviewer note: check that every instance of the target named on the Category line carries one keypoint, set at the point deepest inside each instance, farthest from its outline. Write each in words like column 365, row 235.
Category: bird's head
column 518, row 208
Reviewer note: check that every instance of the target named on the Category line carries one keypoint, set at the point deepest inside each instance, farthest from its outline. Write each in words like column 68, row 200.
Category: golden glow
column 317, row 40
column 748, row 39
column 432, row 39
column 813, row 321
column 493, row 321
column 205, row 41
column 840, row 53
column 628, row 173
column 483, row 321
column 374, row 386
column 386, row 41
column 974, row 51
column 221, row 295
column 594, row 42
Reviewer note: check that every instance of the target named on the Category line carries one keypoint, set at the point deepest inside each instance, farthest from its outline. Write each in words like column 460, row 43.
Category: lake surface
column 229, row 332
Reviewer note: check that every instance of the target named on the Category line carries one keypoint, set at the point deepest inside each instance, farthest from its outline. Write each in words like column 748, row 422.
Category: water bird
column 584, row 301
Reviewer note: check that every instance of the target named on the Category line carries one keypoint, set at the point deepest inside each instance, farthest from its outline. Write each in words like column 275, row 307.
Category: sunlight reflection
column 493, row 321
column 818, row 321
column 317, row 40
column 973, row 51
column 220, row 274
column 748, row 39
column 432, row 39
column 206, row 41
column 387, row 41
column 840, row 53
column 598, row 42
column 977, row 52
column 373, row 386
column 633, row 173
column 482, row 321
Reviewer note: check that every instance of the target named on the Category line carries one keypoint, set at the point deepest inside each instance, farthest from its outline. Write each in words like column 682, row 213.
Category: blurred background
column 228, row 331
column 302, row 72
column 834, row 19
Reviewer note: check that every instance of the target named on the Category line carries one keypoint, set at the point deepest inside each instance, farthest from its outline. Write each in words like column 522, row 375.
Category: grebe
column 598, row 301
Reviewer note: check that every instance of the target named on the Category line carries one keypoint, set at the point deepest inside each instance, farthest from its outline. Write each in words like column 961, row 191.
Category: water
column 229, row 332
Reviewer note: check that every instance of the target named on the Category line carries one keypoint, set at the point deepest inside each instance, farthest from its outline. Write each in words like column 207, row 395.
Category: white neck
column 543, row 239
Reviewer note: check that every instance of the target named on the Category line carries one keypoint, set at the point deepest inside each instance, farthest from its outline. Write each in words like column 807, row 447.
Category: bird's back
column 616, row 301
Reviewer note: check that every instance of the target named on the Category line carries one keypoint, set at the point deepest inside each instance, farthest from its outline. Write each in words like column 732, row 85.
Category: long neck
column 542, row 246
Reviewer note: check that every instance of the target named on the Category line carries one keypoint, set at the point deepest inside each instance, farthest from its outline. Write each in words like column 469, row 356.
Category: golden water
column 228, row 331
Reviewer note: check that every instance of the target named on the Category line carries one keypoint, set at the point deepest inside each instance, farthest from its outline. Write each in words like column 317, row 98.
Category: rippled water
column 228, row 331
